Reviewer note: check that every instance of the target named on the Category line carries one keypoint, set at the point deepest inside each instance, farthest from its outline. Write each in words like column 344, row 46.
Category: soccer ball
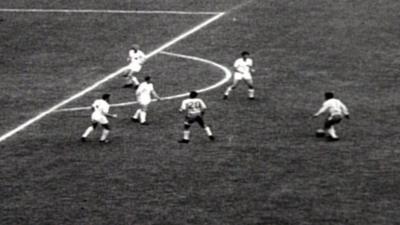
column 320, row 133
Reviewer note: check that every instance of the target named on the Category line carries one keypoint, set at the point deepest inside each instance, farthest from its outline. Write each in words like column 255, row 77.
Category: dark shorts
column 105, row 126
column 332, row 120
column 194, row 119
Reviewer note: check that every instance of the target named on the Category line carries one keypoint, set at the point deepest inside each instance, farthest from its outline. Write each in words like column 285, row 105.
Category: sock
column 128, row 80
column 251, row 93
column 208, row 131
column 332, row 132
column 186, row 134
column 88, row 131
column 143, row 115
column 228, row 90
column 135, row 81
column 104, row 134
column 137, row 114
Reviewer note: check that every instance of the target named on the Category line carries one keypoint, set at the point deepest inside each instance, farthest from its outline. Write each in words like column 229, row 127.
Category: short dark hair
column 245, row 53
column 328, row 95
column 193, row 94
column 106, row 96
column 147, row 78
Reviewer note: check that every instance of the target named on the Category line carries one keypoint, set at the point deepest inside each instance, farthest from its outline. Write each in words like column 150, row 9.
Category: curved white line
column 226, row 78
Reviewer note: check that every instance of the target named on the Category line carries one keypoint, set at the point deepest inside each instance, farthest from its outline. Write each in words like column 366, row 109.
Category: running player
column 336, row 111
column 243, row 67
column 143, row 96
column 195, row 109
column 136, row 59
column 100, row 113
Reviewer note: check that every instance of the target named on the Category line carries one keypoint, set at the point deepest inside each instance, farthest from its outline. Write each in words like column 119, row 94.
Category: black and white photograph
column 200, row 112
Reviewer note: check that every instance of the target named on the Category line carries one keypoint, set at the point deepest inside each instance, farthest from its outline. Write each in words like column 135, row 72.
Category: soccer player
column 243, row 67
column 336, row 111
column 143, row 96
column 195, row 109
column 100, row 113
column 136, row 59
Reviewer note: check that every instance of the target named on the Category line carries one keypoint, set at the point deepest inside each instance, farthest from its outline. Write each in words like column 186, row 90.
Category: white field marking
column 107, row 11
column 226, row 78
column 107, row 78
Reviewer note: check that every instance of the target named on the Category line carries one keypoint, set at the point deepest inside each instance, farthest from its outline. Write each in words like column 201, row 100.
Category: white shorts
column 135, row 67
column 98, row 118
column 241, row 76
column 144, row 101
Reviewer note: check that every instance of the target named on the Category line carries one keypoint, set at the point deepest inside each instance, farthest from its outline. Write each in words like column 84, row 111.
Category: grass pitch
column 266, row 166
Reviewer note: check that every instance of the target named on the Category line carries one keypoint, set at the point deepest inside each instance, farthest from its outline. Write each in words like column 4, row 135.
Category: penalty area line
column 226, row 78
column 104, row 11
column 107, row 78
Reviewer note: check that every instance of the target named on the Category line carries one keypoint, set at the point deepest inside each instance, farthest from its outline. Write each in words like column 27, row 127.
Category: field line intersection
column 216, row 16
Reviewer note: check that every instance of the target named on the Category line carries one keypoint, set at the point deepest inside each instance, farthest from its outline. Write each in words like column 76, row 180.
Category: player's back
column 193, row 106
column 336, row 107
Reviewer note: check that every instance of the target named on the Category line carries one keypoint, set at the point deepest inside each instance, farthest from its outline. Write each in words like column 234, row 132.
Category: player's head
column 193, row 94
column 135, row 46
column 245, row 54
column 106, row 97
column 328, row 95
column 147, row 79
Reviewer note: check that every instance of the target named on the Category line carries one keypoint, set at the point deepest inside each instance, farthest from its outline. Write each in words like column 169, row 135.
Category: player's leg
column 105, row 133
column 186, row 130
column 143, row 113
column 135, row 117
column 206, row 128
column 250, row 85
column 128, row 79
column 329, row 127
column 89, row 130
column 134, row 81
column 236, row 79
column 131, row 79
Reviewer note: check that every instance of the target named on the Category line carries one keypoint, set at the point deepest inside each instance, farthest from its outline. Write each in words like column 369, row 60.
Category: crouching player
column 336, row 111
column 143, row 96
column 100, row 113
column 194, row 108
column 136, row 59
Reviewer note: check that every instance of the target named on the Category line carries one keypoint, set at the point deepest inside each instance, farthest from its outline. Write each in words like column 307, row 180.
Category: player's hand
column 114, row 115
column 253, row 70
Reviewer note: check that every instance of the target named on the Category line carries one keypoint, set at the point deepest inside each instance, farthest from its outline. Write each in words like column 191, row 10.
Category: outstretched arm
column 154, row 93
column 321, row 110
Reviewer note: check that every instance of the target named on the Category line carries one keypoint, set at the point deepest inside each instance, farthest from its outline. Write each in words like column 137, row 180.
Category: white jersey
column 193, row 106
column 100, row 107
column 136, row 57
column 100, row 110
column 243, row 66
column 144, row 91
column 334, row 107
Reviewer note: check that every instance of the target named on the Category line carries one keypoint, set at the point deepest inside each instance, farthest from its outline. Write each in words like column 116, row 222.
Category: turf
column 266, row 166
